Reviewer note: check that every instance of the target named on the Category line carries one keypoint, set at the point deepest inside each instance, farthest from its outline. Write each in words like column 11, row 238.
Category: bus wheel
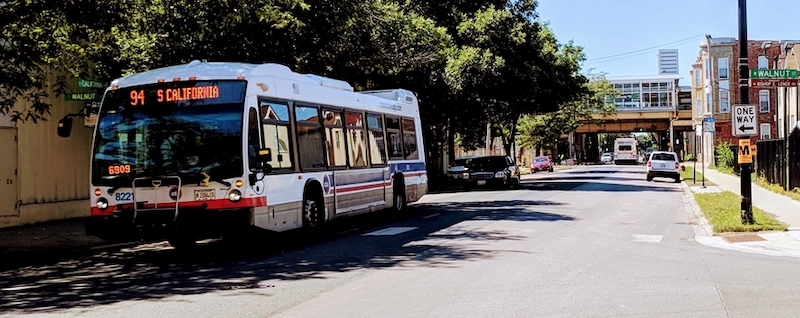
column 312, row 211
column 399, row 193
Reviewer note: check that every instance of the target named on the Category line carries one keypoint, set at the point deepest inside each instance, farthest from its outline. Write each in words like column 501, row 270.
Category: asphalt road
column 587, row 242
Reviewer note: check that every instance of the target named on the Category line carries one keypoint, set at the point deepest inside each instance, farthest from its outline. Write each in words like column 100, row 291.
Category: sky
column 622, row 37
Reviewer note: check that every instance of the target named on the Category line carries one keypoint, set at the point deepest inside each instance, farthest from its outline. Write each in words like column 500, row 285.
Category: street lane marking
column 432, row 215
column 647, row 238
column 390, row 231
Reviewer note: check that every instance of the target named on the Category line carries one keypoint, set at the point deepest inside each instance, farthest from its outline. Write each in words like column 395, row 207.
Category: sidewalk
column 782, row 207
column 46, row 241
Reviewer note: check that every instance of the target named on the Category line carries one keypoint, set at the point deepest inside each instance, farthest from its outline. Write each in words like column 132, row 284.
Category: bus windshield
column 187, row 129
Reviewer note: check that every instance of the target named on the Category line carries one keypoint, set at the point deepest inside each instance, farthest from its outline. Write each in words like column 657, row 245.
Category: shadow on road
column 582, row 177
column 265, row 261
column 589, row 171
column 595, row 186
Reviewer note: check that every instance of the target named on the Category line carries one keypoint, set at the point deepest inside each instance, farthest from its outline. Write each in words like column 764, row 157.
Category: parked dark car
column 485, row 171
column 542, row 163
column 459, row 170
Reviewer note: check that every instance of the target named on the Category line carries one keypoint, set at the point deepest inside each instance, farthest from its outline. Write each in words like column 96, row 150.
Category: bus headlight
column 102, row 203
column 234, row 195
column 500, row 175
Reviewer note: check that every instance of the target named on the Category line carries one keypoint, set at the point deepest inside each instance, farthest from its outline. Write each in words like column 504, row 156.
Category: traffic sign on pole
column 708, row 124
column 745, row 155
column 745, row 120
column 774, row 73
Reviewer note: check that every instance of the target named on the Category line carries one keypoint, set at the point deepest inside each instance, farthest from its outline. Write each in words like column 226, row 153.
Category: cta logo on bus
column 326, row 184
column 174, row 193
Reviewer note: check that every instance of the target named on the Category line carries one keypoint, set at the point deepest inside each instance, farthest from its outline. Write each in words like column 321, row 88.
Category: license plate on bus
column 203, row 195
column 481, row 182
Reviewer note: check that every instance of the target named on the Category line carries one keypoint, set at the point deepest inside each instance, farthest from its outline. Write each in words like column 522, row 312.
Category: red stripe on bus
column 209, row 205
column 362, row 187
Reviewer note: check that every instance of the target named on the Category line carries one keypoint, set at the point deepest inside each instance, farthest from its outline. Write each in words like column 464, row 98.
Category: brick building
column 715, row 87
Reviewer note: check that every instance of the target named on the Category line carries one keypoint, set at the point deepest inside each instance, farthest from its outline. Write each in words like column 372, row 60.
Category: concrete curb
column 703, row 227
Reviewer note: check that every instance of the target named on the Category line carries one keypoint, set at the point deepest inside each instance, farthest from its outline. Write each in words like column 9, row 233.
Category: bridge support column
column 671, row 137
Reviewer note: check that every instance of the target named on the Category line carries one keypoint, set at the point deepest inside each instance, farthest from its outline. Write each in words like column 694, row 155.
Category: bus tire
column 399, row 202
column 313, row 207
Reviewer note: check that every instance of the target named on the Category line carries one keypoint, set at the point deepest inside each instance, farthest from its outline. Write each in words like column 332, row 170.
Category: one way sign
column 745, row 120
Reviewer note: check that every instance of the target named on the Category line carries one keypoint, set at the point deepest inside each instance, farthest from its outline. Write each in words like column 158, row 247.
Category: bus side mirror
column 264, row 157
column 65, row 127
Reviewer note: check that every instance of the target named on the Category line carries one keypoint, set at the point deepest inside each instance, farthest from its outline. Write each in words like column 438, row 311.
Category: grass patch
column 722, row 210
column 524, row 170
column 688, row 175
column 794, row 194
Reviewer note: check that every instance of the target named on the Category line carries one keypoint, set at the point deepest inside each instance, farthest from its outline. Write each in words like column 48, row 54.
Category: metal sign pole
column 703, row 166
column 694, row 169
column 744, row 99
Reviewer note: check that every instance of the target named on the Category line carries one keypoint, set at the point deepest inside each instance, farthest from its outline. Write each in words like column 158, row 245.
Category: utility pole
column 744, row 99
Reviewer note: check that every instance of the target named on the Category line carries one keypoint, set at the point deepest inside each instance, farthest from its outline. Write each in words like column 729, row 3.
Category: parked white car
column 663, row 164
column 607, row 157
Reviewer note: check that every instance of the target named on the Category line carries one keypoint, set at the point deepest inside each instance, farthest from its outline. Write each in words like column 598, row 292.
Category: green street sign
column 774, row 73
column 90, row 84
column 82, row 97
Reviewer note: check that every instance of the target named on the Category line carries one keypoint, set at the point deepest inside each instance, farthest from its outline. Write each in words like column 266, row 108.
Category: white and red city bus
column 204, row 149
column 625, row 151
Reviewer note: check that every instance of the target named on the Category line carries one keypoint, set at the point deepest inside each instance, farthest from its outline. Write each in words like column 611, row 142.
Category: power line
column 681, row 41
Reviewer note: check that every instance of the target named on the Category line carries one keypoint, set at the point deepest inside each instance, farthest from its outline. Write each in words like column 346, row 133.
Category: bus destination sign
column 169, row 95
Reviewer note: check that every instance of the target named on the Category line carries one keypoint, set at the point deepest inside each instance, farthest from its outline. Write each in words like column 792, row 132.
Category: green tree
column 645, row 141
column 541, row 130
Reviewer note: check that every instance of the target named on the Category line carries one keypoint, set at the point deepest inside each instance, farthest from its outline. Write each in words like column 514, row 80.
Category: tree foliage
column 541, row 130
column 471, row 63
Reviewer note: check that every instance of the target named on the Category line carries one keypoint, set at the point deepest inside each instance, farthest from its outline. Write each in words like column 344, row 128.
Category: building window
column 722, row 68
column 724, row 101
column 765, row 130
column 763, row 100
column 707, row 67
column 763, row 62
column 709, row 105
column 698, row 78
column 698, row 106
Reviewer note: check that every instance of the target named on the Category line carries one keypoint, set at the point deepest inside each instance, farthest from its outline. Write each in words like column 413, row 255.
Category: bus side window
column 395, row 140
column 334, row 138
column 253, row 140
column 310, row 138
column 275, row 118
column 356, row 143
column 377, row 140
column 409, row 139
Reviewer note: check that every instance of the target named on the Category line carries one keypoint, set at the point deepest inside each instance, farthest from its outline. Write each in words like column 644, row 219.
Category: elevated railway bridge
column 654, row 104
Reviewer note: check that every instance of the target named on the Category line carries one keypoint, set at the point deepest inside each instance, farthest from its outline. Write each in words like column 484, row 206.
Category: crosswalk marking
column 390, row 231
column 647, row 238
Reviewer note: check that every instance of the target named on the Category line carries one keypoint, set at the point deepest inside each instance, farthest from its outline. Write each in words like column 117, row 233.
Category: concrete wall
column 53, row 172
